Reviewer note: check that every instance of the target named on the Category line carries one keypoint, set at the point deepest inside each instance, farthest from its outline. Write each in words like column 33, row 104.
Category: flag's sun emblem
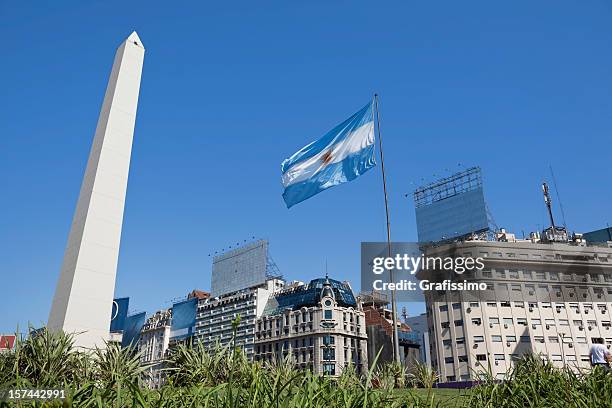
column 327, row 157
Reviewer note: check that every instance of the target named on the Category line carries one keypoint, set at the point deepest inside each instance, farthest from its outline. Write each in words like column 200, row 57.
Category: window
column 508, row 321
column 328, row 314
column 511, row 339
column 329, row 369
column 496, row 339
column 521, row 321
column 443, row 308
column 460, row 340
column 447, row 342
column 553, row 339
column 458, row 323
column 499, row 357
column 481, row 357
column 463, row 359
column 474, row 304
column 477, row 321
column 445, row 325
column 448, row 360
column 456, row 306
column 525, row 339
column 328, row 339
column 478, row 339
column 556, row 357
column 329, row 353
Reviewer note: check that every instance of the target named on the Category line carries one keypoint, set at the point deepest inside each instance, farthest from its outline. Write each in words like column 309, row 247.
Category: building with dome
column 320, row 326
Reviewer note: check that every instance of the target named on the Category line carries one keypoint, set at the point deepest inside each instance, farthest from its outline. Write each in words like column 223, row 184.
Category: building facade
column 153, row 344
column 379, row 330
column 419, row 325
column 551, row 299
column 215, row 316
column 319, row 325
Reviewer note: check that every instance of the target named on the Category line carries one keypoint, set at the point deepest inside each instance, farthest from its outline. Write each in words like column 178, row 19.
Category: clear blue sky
column 229, row 91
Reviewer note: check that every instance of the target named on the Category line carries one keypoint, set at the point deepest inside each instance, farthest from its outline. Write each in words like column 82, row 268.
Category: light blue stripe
column 332, row 137
column 337, row 173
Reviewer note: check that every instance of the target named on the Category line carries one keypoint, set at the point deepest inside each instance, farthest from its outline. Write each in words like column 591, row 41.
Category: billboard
column 131, row 329
column 240, row 268
column 451, row 208
column 183, row 318
column 602, row 235
column 119, row 314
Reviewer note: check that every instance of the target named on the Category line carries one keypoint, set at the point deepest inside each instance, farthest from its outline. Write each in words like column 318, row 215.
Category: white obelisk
column 84, row 294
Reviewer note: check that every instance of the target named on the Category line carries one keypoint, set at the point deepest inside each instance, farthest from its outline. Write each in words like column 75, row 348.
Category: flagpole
column 396, row 351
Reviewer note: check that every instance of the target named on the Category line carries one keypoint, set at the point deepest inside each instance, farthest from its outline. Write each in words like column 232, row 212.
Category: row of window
column 575, row 306
column 515, row 357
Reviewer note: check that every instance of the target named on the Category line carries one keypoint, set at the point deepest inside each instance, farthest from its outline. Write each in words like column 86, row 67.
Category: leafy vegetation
column 224, row 378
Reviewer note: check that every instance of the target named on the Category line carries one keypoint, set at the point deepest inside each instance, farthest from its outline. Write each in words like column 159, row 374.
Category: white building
column 321, row 326
column 215, row 316
column 552, row 299
column 153, row 344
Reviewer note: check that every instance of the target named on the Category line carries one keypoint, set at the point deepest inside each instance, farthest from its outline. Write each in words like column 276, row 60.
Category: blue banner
column 119, row 314
column 183, row 318
column 132, row 328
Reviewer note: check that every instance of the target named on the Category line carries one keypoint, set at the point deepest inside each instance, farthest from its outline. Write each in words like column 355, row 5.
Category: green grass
column 437, row 396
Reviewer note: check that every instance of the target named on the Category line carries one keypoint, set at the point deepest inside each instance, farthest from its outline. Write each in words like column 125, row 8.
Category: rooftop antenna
column 548, row 202
column 558, row 196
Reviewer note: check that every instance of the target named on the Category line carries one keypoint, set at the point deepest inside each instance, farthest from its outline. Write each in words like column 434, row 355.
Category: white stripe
column 355, row 141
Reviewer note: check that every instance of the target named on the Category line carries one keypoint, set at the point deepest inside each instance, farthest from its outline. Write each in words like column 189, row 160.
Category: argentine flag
column 343, row 154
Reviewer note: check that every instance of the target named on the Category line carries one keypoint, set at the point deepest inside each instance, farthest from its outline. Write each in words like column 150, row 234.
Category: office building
column 319, row 325
column 549, row 296
column 215, row 316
